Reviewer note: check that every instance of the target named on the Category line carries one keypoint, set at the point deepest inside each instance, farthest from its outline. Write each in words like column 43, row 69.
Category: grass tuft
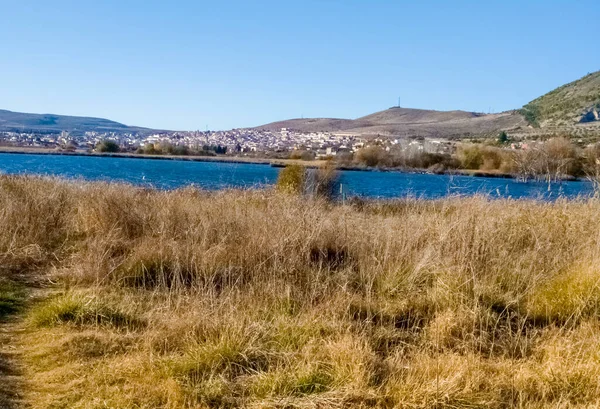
column 83, row 311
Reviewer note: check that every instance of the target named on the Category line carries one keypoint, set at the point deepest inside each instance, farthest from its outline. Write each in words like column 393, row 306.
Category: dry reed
column 191, row 299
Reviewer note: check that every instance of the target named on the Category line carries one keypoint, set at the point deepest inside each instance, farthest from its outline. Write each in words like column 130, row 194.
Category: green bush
column 291, row 179
column 483, row 157
column 470, row 157
column 531, row 113
column 319, row 182
column 502, row 138
column 107, row 146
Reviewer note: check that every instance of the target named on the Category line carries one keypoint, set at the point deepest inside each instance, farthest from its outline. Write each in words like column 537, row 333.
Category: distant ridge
column 568, row 107
column 51, row 123
column 398, row 122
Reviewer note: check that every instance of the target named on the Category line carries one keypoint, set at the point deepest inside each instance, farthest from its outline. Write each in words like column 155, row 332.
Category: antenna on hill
column 399, row 102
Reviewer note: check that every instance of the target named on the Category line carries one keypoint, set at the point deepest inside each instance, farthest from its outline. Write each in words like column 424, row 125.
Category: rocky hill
column 576, row 102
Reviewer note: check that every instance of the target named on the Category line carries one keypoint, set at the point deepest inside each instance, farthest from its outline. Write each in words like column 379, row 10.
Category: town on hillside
column 232, row 142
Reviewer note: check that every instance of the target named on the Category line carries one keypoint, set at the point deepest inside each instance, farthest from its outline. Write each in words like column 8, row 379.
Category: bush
column 531, row 113
column 302, row 155
column 502, row 138
column 371, row 156
column 324, row 181
column 107, row 146
column 552, row 159
column 478, row 157
column 591, row 161
column 320, row 182
column 470, row 157
column 148, row 149
column 291, row 179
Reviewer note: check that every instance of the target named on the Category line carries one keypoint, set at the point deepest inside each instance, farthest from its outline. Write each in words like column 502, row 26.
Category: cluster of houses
column 319, row 144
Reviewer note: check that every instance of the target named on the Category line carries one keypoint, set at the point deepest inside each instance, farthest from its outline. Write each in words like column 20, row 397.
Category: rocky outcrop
column 590, row 116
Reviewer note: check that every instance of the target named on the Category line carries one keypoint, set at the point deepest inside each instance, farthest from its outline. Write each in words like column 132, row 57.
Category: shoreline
column 277, row 163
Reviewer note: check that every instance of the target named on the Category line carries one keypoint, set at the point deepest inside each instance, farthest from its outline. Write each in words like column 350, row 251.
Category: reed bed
column 262, row 299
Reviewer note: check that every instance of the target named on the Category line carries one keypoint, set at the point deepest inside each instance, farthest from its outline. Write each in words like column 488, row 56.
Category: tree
column 502, row 138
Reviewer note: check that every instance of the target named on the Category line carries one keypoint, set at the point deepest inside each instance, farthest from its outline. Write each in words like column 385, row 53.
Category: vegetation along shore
column 557, row 158
column 113, row 296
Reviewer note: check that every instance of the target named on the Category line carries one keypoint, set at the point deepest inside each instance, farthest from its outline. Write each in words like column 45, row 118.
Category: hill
column 17, row 121
column 398, row 121
column 570, row 109
column 575, row 102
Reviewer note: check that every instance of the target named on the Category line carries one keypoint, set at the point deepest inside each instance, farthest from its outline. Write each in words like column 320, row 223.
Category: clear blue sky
column 225, row 64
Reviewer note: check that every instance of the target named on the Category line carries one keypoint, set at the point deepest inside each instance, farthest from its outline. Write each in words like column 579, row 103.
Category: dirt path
column 17, row 294
column 11, row 378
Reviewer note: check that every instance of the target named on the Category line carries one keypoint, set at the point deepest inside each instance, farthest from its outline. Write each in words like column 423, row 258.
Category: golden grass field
column 124, row 297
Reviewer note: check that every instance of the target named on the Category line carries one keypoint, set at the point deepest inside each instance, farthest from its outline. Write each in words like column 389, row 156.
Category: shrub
column 483, row 157
column 107, row 146
column 302, row 155
column 371, row 156
column 591, row 161
column 322, row 182
column 552, row 159
column 291, row 179
column 471, row 157
column 502, row 138
column 531, row 113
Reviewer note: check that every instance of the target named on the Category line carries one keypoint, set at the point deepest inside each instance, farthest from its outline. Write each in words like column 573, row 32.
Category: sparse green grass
column 82, row 311
column 565, row 104
column 190, row 299
column 11, row 297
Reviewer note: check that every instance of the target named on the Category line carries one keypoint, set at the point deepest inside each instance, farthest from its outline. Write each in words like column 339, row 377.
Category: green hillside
column 24, row 122
column 566, row 105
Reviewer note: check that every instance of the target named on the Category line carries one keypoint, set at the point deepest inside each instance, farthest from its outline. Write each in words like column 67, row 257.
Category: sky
column 196, row 65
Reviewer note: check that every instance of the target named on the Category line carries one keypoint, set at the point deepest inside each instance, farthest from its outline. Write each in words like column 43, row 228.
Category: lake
column 170, row 174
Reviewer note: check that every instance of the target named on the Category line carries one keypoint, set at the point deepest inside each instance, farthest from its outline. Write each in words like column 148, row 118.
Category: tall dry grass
column 262, row 299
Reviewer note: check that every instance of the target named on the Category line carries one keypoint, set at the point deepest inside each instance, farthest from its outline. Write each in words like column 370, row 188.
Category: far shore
column 259, row 161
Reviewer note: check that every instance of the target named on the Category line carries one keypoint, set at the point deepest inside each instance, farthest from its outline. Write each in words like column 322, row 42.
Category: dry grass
column 189, row 299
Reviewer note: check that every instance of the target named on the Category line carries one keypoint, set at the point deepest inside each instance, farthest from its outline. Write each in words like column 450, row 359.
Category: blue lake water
column 170, row 174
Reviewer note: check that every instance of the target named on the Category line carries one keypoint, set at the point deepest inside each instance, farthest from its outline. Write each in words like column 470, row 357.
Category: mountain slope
column 17, row 121
column 398, row 121
column 566, row 105
column 310, row 125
